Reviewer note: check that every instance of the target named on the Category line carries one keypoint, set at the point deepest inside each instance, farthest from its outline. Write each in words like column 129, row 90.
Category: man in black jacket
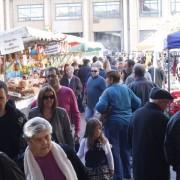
column 146, row 135
column 9, row 169
column 11, row 123
column 172, row 143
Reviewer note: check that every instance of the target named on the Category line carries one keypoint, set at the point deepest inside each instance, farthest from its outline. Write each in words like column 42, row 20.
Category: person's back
column 146, row 135
column 121, row 102
column 84, row 73
column 9, row 169
column 140, row 86
column 157, row 76
column 172, row 143
column 147, row 143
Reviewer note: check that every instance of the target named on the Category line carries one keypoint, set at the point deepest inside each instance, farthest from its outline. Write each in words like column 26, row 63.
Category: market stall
column 173, row 42
column 24, row 54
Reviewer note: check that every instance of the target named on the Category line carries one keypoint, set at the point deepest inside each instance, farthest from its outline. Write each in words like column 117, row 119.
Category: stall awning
column 30, row 34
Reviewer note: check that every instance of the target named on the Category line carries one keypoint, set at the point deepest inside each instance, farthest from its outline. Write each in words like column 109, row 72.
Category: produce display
column 24, row 88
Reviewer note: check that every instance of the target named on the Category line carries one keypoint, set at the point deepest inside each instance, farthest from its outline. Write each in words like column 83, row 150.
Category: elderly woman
column 44, row 159
column 47, row 108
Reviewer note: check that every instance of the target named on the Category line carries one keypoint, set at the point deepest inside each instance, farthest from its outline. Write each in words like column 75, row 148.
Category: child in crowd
column 95, row 152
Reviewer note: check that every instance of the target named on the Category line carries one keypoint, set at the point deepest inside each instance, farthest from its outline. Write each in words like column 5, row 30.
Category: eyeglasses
column 48, row 97
column 94, row 71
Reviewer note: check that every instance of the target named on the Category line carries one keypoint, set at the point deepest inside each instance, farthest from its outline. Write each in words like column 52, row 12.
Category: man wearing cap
column 146, row 135
column 172, row 143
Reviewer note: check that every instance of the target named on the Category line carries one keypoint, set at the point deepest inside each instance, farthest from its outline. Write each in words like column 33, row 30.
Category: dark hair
column 86, row 61
column 90, row 130
column 4, row 86
column 43, row 90
column 139, row 70
column 114, row 76
column 53, row 69
column 94, row 59
column 130, row 62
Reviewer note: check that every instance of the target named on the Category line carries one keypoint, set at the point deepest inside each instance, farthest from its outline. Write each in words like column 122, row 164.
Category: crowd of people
column 47, row 144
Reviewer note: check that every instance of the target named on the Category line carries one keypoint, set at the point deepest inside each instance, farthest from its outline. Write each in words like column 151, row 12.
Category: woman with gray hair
column 44, row 159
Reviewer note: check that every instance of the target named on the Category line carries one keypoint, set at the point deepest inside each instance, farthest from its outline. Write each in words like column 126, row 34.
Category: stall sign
column 52, row 49
column 11, row 44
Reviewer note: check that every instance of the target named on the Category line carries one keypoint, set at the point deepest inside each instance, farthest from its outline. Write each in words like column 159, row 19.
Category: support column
column 7, row 15
column 125, row 26
column 2, row 25
column 133, row 24
column 166, row 10
column 47, row 24
column 86, row 19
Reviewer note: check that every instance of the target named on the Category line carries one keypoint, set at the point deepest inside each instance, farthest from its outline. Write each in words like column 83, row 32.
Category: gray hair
column 139, row 70
column 35, row 126
column 98, row 64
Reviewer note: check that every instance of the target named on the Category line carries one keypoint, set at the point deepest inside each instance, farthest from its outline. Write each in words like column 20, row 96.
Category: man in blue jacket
column 122, row 101
column 94, row 88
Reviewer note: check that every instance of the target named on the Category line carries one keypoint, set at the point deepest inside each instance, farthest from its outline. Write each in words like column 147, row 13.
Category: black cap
column 158, row 93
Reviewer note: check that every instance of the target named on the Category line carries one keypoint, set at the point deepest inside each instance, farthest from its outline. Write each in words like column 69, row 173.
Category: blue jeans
column 117, row 135
column 89, row 113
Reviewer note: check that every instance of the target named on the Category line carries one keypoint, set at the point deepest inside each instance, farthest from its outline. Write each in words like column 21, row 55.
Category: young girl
column 95, row 152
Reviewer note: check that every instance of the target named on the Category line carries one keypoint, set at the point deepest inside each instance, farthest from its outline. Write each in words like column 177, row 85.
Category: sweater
column 122, row 101
column 95, row 87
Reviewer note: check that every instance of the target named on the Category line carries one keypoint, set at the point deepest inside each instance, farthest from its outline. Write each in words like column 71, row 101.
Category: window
column 150, row 7
column 106, row 9
column 78, row 34
column 144, row 34
column 110, row 40
column 175, row 7
column 68, row 11
column 31, row 12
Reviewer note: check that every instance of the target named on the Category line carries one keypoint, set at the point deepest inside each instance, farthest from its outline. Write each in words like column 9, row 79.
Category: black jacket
column 172, row 142
column 9, row 169
column 11, row 130
column 146, row 135
column 75, row 84
column 141, row 88
column 84, row 73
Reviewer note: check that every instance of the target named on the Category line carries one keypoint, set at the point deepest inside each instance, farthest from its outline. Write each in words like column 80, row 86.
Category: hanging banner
column 10, row 44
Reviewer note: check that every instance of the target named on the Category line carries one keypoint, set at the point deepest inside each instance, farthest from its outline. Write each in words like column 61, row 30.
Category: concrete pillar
column 2, row 25
column 86, row 19
column 133, row 24
column 125, row 39
column 166, row 9
column 7, row 14
column 47, row 24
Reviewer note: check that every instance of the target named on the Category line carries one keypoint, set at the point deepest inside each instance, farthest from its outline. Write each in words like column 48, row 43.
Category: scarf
column 33, row 171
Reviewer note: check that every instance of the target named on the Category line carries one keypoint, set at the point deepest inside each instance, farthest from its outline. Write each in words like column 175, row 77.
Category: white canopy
column 30, row 34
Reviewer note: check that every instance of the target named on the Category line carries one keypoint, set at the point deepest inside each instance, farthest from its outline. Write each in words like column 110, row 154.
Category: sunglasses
column 48, row 97
column 94, row 71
